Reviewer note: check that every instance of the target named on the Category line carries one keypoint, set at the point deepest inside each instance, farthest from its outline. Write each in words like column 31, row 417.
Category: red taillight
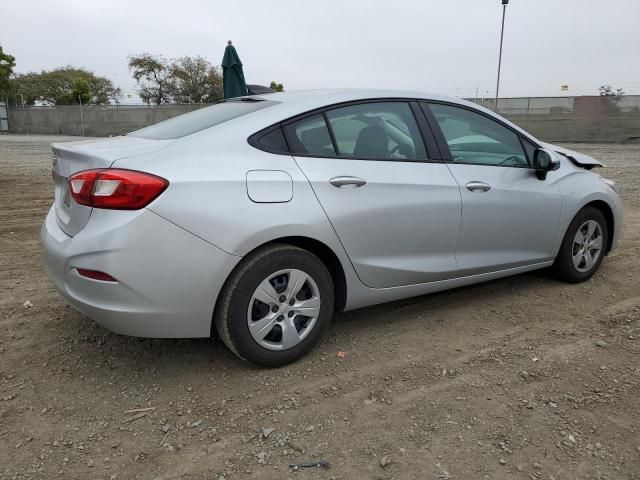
column 95, row 275
column 116, row 189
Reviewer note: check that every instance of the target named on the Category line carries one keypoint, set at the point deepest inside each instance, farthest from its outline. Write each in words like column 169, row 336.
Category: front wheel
column 583, row 246
column 275, row 306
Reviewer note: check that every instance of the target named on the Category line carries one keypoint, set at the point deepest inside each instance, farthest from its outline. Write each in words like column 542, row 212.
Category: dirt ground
column 523, row 378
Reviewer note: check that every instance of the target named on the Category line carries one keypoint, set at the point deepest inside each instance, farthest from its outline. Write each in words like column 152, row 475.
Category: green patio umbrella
column 232, row 75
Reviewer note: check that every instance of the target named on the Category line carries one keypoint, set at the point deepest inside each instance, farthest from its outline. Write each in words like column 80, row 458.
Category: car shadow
column 503, row 287
column 102, row 347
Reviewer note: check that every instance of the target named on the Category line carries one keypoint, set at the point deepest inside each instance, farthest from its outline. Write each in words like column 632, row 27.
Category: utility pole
column 504, row 11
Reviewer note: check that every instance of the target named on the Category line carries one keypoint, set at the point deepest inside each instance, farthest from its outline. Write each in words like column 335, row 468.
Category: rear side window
column 272, row 141
column 384, row 131
column 201, row 119
column 310, row 136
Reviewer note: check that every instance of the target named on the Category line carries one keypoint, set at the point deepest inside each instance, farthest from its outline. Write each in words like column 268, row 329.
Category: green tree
column 7, row 62
column 80, row 93
column 63, row 86
column 276, row 87
column 607, row 91
column 153, row 74
column 195, row 80
column 611, row 97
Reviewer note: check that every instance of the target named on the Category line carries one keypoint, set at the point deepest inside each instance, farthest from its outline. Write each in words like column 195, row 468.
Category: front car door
column 510, row 218
column 395, row 210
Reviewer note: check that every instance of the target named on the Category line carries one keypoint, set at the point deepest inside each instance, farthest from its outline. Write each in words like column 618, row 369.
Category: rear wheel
column 583, row 246
column 275, row 306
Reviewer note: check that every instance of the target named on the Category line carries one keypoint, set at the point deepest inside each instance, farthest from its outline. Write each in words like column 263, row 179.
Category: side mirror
column 544, row 162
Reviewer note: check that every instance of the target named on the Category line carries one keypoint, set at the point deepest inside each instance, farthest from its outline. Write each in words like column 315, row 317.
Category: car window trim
column 291, row 139
column 254, row 140
column 428, row 137
column 444, row 146
column 331, row 134
column 522, row 140
column 433, row 157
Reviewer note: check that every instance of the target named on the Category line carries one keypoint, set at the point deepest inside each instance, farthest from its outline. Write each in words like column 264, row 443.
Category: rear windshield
column 200, row 119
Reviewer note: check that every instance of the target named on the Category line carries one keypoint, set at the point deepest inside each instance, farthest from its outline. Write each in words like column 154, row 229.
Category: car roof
column 295, row 102
column 337, row 95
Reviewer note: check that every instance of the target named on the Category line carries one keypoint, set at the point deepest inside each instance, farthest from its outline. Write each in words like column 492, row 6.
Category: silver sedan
column 260, row 216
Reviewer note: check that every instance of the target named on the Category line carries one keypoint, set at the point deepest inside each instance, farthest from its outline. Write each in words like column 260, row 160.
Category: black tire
column 563, row 265
column 230, row 317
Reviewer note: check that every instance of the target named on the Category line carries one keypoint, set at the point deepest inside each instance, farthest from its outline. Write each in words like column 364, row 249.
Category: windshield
column 200, row 119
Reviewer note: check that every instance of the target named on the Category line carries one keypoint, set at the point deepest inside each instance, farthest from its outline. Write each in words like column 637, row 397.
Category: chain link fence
column 91, row 120
column 573, row 119
column 4, row 121
column 585, row 105
column 560, row 119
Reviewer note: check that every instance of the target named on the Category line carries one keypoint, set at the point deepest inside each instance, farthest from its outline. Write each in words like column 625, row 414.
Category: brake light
column 115, row 188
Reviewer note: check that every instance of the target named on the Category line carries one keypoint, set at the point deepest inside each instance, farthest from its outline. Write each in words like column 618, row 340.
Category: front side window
column 475, row 138
column 384, row 131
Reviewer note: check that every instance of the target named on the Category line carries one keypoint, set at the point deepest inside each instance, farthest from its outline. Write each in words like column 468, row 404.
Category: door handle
column 478, row 186
column 347, row 182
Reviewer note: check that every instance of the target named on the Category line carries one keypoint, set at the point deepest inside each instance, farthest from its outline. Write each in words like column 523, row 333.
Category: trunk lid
column 72, row 157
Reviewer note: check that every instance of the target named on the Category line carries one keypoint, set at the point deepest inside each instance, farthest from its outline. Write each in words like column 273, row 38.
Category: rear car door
column 510, row 218
column 395, row 208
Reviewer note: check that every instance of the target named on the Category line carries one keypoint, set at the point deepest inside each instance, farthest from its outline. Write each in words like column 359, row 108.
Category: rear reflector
column 115, row 188
column 95, row 275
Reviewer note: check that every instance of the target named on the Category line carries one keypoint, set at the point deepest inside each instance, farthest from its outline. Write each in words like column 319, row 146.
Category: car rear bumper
column 167, row 278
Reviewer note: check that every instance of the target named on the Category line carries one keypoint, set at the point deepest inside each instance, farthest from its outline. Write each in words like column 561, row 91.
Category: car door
column 510, row 217
column 395, row 209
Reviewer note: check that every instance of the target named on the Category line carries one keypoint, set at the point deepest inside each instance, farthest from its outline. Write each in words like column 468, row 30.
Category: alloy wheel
column 587, row 246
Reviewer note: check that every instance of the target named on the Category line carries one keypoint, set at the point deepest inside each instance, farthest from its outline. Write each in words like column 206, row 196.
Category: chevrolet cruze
column 258, row 217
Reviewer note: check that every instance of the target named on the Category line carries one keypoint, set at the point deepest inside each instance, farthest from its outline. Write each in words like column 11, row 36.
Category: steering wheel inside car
column 403, row 149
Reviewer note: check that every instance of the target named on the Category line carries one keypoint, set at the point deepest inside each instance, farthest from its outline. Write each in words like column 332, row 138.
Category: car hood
column 577, row 158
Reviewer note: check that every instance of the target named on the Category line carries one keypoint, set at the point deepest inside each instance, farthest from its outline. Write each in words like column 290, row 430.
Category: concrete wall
column 618, row 127
column 102, row 121
column 4, row 125
column 93, row 121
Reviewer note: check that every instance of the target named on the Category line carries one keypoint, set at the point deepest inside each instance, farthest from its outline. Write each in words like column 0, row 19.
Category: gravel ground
column 523, row 378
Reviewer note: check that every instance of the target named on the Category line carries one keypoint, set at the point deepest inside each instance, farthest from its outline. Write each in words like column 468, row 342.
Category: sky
column 445, row 46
